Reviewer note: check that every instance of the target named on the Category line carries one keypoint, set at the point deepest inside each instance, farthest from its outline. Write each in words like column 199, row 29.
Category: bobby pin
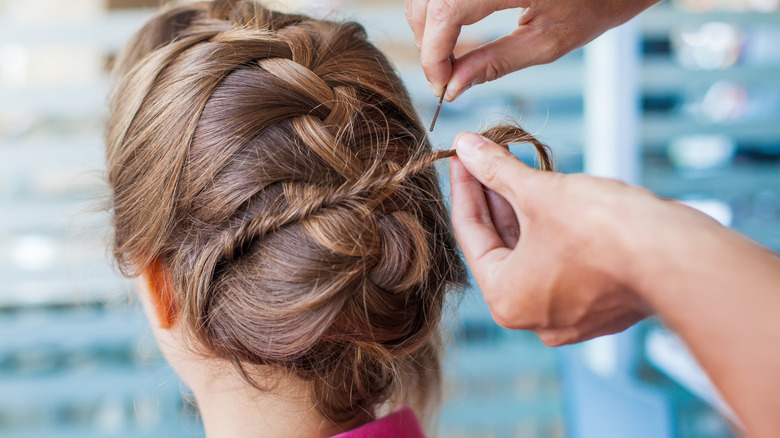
column 438, row 108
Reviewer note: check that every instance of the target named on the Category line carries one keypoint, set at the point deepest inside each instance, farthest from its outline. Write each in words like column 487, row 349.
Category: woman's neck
column 231, row 408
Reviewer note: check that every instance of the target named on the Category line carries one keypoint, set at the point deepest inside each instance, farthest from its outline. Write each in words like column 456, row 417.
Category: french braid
column 274, row 164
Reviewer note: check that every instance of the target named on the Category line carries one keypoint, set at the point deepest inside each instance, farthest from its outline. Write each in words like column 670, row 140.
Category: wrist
column 681, row 250
column 664, row 244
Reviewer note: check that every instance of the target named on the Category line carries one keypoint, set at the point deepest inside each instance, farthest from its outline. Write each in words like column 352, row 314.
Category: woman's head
column 263, row 160
column 271, row 169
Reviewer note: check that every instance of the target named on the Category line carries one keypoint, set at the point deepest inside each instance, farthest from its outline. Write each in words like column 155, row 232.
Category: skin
column 545, row 31
column 572, row 257
column 228, row 405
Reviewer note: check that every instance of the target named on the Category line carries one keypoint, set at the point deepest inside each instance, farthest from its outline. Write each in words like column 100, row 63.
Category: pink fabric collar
column 402, row 423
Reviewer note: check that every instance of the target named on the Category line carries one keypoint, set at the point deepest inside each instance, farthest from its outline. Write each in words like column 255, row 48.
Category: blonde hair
column 274, row 164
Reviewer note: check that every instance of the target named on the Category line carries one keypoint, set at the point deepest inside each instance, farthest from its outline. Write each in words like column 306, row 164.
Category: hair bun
column 404, row 255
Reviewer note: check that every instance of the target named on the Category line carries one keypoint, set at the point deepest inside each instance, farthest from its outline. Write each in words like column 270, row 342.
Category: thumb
column 495, row 167
column 522, row 48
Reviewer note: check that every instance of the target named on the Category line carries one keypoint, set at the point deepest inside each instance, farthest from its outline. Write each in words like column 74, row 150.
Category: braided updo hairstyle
column 274, row 165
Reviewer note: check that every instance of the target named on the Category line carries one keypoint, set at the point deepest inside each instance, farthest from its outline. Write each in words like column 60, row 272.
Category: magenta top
column 402, row 423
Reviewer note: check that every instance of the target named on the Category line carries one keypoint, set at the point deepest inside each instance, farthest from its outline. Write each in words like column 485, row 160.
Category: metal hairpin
column 438, row 108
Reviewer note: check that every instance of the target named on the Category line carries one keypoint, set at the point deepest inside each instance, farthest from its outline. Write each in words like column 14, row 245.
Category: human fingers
column 504, row 218
column 415, row 16
column 594, row 328
column 443, row 21
column 479, row 240
column 496, row 168
column 524, row 47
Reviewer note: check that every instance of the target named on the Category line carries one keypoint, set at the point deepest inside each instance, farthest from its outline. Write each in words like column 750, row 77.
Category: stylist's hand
column 590, row 254
column 560, row 254
column 546, row 31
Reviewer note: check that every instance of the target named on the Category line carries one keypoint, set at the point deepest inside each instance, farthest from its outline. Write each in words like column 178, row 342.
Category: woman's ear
column 157, row 280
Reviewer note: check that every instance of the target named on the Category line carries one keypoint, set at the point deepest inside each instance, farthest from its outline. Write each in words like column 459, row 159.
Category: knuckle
column 505, row 317
column 554, row 48
column 551, row 339
column 551, row 53
column 491, row 71
column 508, row 313
column 559, row 337
column 427, row 62
column 495, row 64
column 501, row 310
column 440, row 10
column 496, row 67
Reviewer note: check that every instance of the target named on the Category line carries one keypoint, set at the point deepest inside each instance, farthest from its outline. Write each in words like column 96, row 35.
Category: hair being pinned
column 274, row 164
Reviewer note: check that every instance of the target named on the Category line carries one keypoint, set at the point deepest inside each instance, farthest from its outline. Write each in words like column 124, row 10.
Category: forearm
column 721, row 293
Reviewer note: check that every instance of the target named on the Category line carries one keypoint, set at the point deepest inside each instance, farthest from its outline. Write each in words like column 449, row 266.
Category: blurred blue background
column 685, row 101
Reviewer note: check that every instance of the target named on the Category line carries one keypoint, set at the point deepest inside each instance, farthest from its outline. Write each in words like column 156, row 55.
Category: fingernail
column 434, row 90
column 467, row 143
column 453, row 93
column 450, row 95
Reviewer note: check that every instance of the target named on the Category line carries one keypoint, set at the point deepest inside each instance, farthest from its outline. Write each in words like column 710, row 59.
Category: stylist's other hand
column 555, row 253
column 546, row 30
column 572, row 257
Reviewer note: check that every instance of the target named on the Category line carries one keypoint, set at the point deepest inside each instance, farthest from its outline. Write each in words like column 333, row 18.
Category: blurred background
column 684, row 100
